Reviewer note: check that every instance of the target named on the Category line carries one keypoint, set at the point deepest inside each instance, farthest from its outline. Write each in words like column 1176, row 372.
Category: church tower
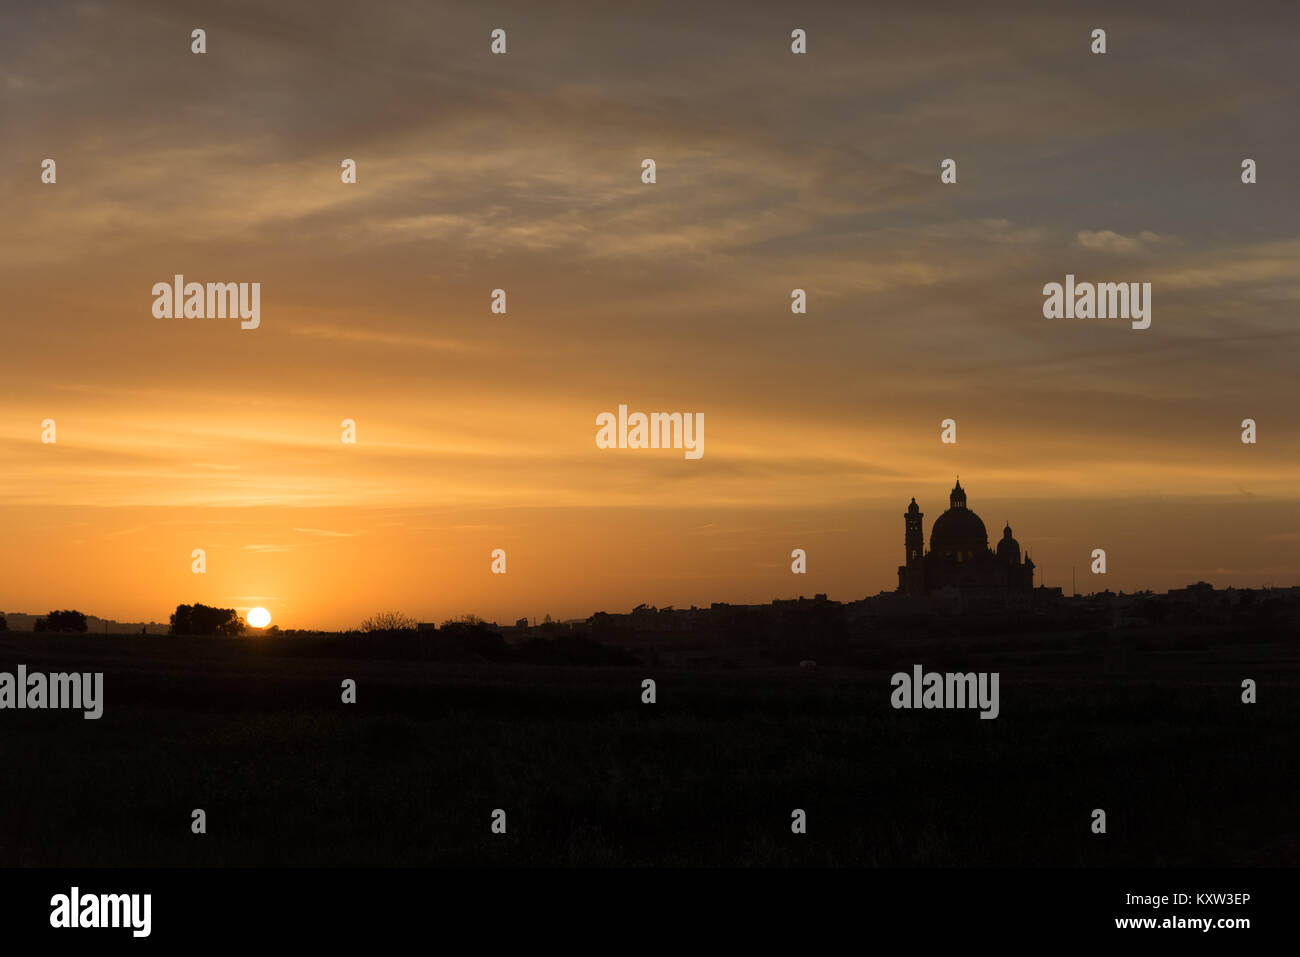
column 913, row 538
column 911, row 579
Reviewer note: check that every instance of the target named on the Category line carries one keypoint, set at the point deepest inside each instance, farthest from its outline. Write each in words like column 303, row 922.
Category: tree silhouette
column 464, row 620
column 61, row 621
column 198, row 619
column 387, row 622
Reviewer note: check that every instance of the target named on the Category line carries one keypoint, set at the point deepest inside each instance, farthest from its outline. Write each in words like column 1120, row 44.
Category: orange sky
column 476, row 431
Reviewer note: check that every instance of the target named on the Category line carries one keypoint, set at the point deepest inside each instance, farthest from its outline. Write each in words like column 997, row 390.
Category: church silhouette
column 959, row 554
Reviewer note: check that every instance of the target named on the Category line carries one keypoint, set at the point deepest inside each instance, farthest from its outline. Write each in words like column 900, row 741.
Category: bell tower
column 913, row 539
column 911, row 574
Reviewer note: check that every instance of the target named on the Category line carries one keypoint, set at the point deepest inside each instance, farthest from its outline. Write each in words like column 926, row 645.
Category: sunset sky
column 775, row 171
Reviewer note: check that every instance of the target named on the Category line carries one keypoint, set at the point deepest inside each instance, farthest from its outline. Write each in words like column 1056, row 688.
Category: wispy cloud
column 1107, row 240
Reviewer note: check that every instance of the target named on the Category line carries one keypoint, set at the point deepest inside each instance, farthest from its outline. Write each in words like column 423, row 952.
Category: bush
column 62, row 621
column 205, row 621
column 388, row 622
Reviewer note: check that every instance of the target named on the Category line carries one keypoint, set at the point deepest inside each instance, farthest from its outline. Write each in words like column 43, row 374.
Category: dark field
column 1150, row 728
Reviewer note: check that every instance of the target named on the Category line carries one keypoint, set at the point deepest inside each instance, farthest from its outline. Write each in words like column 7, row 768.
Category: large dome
column 958, row 528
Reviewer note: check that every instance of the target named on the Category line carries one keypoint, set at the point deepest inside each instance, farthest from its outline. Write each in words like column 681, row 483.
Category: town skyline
column 666, row 577
column 95, row 622
column 1101, row 585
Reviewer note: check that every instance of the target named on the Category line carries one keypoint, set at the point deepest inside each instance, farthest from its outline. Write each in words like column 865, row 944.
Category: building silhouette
column 959, row 554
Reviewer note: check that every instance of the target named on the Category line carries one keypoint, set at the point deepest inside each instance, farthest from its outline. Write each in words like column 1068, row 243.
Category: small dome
column 1008, row 548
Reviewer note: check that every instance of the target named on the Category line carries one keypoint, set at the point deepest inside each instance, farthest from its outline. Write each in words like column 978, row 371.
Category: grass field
column 254, row 732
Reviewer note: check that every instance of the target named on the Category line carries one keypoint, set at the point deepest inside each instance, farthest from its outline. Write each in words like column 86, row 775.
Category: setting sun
column 259, row 617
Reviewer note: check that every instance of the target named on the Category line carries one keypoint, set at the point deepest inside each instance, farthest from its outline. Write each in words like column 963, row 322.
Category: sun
column 259, row 617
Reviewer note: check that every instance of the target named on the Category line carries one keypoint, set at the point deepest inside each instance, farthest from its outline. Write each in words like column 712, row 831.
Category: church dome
column 958, row 528
column 1008, row 548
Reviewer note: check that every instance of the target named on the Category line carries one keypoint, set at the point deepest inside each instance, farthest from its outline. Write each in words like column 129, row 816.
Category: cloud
column 1106, row 240
column 369, row 335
